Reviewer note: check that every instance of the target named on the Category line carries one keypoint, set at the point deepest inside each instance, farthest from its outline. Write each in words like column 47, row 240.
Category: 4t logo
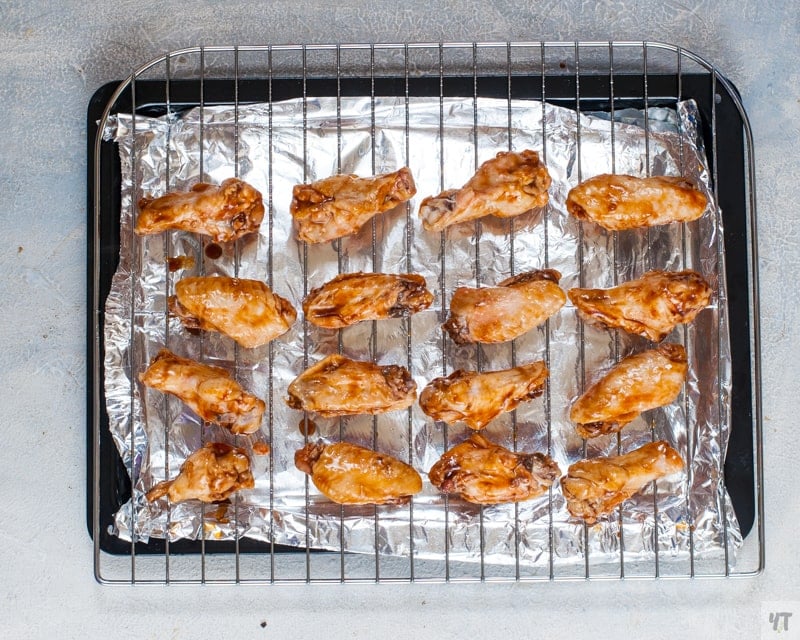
column 780, row 620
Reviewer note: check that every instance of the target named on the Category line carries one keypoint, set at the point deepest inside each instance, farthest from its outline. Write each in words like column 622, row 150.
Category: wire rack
column 596, row 76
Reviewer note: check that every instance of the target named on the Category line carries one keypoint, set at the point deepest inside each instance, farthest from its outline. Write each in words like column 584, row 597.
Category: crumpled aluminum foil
column 282, row 144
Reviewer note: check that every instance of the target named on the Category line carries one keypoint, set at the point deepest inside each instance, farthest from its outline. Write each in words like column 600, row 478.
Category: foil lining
column 273, row 147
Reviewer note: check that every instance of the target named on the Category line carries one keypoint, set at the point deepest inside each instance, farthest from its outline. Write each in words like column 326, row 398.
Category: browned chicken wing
column 338, row 386
column 593, row 487
column 486, row 473
column 637, row 383
column 210, row 474
column 502, row 313
column 227, row 212
column 478, row 398
column 349, row 474
column 651, row 306
column 505, row 186
column 618, row 202
column 340, row 205
column 209, row 391
column 245, row 310
column 353, row 297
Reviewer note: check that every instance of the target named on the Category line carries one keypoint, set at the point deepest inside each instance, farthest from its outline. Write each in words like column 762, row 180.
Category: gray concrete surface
column 52, row 58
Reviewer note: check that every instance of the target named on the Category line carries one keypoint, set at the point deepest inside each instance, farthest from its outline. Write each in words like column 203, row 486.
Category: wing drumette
column 227, row 212
column 340, row 205
column 353, row 297
column 505, row 186
column 245, row 310
column 637, row 383
column 618, row 202
column 486, row 473
column 506, row 311
column 651, row 306
column 349, row 474
column 338, row 386
column 210, row 474
column 593, row 487
column 209, row 391
column 478, row 398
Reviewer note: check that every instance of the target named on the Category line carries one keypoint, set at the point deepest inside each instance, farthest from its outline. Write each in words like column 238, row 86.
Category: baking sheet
column 167, row 151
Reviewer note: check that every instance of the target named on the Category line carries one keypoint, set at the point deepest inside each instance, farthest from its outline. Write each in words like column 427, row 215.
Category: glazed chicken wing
column 227, row 212
column 651, row 306
column 340, row 205
column 486, row 473
column 618, row 202
column 349, row 474
column 338, row 386
column 502, row 313
column 593, row 487
column 478, row 398
column 210, row 474
column 209, row 391
column 637, row 383
column 354, row 297
column 245, row 310
column 505, row 186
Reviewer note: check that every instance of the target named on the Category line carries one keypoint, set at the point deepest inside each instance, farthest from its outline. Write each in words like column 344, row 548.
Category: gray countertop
column 53, row 56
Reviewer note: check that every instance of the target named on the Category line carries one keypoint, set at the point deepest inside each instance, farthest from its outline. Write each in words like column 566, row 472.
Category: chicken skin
column 354, row 297
column 486, row 473
column 651, row 306
column 506, row 311
column 505, row 186
column 340, row 205
column 593, row 487
column 338, row 386
column 225, row 213
column 245, row 310
column 210, row 474
column 617, row 202
column 478, row 398
column 209, row 391
column 637, row 383
column 349, row 474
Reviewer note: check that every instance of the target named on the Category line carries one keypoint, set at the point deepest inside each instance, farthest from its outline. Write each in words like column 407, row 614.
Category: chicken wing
column 593, row 487
column 505, row 186
column 651, row 306
column 245, row 310
column 338, row 386
column 349, row 474
column 618, row 202
column 353, row 297
column 340, row 205
column 502, row 313
column 210, row 474
column 209, row 391
column 637, row 383
column 486, row 473
column 478, row 398
column 227, row 212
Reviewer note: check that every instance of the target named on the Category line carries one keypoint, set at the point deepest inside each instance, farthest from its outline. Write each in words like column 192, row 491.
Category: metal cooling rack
column 583, row 75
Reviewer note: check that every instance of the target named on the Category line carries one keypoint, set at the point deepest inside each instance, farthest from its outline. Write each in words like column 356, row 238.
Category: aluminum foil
column 276, row 146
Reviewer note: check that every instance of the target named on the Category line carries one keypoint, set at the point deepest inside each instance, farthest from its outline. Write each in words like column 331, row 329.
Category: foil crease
column 274, row 146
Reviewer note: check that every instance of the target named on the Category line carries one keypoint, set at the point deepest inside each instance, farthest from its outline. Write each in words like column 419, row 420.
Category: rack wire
column 518, row 65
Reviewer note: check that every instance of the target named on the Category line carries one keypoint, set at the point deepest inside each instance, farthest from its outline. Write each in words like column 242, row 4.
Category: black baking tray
column 595, row 91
